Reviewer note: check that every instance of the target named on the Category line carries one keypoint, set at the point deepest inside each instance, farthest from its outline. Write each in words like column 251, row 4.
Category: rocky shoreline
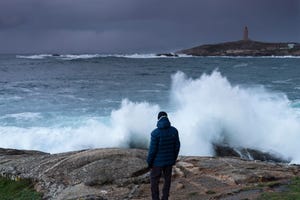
column 123, row 174
column 241, row 48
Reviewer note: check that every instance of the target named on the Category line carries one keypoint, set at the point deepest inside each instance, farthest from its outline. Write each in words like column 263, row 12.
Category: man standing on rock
column 162, row 155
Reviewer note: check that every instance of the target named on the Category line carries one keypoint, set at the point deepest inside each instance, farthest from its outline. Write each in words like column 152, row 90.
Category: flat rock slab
column 123, row 174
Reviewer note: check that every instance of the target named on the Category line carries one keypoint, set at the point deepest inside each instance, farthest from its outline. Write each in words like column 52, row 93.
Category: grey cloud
column 110, row 26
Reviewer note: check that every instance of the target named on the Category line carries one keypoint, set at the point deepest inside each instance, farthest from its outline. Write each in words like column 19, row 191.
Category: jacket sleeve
column 177, row 145
column 153, row 148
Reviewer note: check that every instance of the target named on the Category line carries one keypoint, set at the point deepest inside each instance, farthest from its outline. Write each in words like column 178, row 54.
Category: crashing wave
column 208, row 110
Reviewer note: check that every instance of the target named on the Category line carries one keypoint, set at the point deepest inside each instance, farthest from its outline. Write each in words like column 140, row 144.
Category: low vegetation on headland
column 19, row 189
column 288, row 192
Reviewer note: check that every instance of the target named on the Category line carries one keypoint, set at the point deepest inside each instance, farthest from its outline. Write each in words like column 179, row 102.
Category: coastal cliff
column 244, row 48
column 123, row 174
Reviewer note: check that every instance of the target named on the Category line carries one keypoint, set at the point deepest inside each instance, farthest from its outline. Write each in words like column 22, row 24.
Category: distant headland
column 244, row 47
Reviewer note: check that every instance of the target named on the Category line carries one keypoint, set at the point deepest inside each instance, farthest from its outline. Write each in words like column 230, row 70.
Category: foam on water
column 90, row 56
column 82, row 56
column 136, row 56
column 149, row 56
column 241, row 65
column 23, row 116
column 38, row 56
column 287, row 81
column 205, row 110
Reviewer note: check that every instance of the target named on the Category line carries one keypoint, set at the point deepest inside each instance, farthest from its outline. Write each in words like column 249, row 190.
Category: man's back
column 164, row 145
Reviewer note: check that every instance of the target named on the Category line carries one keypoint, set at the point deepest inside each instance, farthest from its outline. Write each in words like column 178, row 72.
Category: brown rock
column 179, row 186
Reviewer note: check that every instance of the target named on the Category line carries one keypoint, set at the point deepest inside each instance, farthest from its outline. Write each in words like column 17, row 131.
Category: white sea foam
column 239, row 57
column 23, row 116
column 149, row 56
column 90, row 56
column 281, row 56
column 135, row 55
column 287, row 81
column 82, row 56
column 12, row 98
column 38, row 56
column 132, row 121
column 205, row 110
column 132, row 55
column 150, row 91
column 240, row 65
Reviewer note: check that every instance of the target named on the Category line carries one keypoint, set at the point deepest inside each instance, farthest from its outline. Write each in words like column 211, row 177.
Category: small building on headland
column 291, row 45
column 246, row 34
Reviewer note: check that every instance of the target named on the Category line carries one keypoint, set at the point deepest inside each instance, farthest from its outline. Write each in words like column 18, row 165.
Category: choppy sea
column 71, row 102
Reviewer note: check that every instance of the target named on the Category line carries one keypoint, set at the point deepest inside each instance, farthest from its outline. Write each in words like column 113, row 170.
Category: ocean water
column 72, row 102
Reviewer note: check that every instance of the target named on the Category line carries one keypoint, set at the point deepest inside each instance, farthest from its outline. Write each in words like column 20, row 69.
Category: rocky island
column 244, row 47
column 100, row 174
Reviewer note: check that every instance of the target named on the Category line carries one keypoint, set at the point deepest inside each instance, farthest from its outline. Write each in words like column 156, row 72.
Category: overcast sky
column 140, row 26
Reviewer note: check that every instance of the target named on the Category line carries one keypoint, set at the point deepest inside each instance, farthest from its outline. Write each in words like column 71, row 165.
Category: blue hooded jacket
column 164, row 144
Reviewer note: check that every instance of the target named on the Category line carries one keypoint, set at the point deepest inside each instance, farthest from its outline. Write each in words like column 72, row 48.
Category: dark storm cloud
column 126, row 26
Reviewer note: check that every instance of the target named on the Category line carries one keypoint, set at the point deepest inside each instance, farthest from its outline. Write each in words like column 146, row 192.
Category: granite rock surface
column 122, row 174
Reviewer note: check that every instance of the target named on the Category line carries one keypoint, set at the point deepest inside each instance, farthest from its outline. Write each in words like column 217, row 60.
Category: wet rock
column 55, row 55
column 167, row 54
column 247, row 153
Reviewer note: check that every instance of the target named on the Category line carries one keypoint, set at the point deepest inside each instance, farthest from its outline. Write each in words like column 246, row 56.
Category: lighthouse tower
column 245, row 36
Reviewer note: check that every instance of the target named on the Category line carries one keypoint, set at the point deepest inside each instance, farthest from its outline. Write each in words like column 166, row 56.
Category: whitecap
column 11, row 98
column 160, row 85
column 81, row 56
column 240, row 65
column 38, row 56
column 135, row 55
column 151, row 55
column 149, row 91
column 91, row 56
column 287, row 81
column 23, row 116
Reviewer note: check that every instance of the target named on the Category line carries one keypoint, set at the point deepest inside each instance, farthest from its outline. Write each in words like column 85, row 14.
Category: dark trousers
column 155, row 175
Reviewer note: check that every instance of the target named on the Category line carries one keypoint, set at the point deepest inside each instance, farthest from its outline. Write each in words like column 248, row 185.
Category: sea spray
column 127, row 126
column 210, row 110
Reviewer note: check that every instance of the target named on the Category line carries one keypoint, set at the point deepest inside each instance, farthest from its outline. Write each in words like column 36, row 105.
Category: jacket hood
column 163, row 123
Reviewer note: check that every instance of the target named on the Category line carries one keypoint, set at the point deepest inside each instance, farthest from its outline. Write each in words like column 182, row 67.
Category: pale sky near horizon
column 141, row 26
